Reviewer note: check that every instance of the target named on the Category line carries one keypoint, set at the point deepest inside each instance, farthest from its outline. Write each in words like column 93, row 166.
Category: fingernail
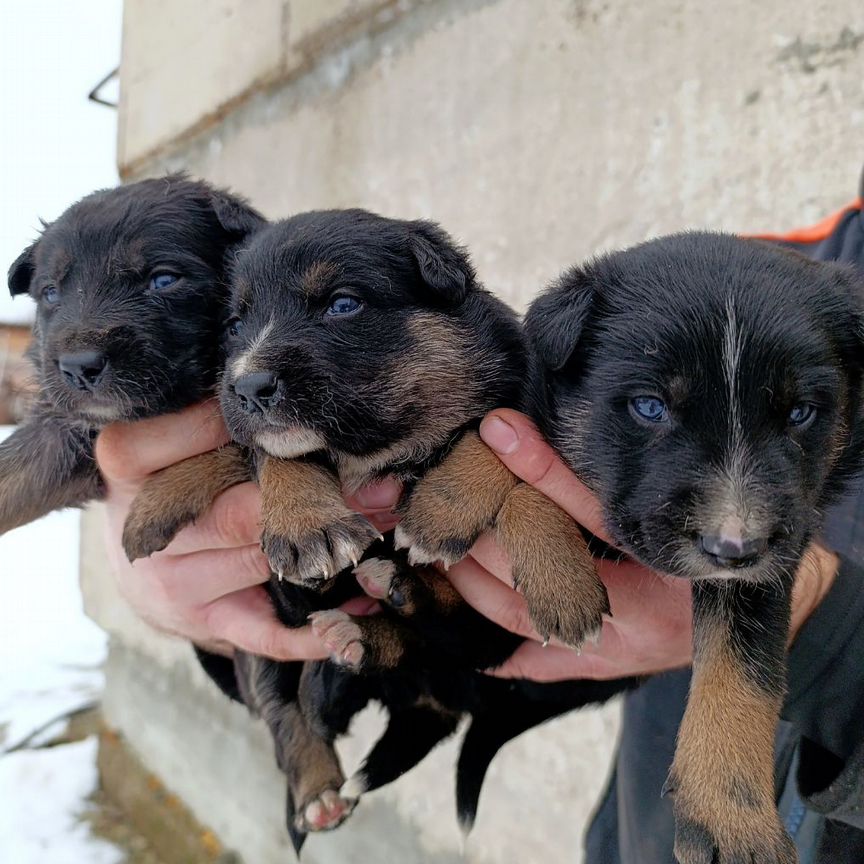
column 378, row 495
column 498, row 435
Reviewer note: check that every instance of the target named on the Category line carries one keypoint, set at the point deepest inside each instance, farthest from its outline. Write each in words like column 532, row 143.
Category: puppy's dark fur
column 739, row 340
column 361, row 347
column 156, row 345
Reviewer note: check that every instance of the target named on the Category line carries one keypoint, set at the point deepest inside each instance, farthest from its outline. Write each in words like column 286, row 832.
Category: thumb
column 519, row 445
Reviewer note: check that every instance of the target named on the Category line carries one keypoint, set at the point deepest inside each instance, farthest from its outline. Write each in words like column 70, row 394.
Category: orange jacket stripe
column 813, row 233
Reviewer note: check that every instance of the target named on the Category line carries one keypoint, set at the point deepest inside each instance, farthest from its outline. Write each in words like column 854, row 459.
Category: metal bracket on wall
column 95, row 95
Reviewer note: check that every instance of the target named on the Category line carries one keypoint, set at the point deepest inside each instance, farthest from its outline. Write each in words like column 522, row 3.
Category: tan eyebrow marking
column 317, row 277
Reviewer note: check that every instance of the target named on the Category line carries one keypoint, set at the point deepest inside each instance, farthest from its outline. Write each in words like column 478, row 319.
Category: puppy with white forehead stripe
column 708, row 388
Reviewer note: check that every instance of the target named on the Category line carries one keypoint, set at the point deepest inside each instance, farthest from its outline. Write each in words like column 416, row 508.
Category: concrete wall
column 537, row 133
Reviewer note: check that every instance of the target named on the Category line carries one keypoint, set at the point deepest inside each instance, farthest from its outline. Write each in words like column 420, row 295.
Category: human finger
column 491, row 597
column 234, row 519
column 128, row 452
column 246, row 620
column 520, row 446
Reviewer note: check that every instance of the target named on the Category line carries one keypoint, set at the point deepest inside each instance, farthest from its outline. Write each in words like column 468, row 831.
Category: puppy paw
column 743, row 828
column 552, row 567
column 324, row 812
column 696, row 844
column 144, row 533
column 564, row 618
column 178, row 495
column 375, row 576
column 424, row 548
column 342, row 636
column 381, row 578
column 317, row 556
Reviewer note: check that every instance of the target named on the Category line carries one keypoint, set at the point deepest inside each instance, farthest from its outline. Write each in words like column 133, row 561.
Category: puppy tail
column 483, row 740
column 509, row 711
column 410, row 735
column 488, row 733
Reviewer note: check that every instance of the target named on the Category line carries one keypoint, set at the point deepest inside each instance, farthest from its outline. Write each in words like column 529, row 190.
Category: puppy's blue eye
column 51, row 294
column 234, row 327
column 650, row 408
column 158, row 281
column 344, row 306
column 801, row 414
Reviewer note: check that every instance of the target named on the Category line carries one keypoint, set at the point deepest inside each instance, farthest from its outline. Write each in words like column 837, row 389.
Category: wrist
column 816, row 574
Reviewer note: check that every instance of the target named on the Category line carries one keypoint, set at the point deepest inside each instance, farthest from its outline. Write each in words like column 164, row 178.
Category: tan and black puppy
column 709, row 390
column 362, row 346
column 132, row 298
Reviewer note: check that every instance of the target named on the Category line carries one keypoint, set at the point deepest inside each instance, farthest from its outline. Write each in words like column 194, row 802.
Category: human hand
column 206, row 585
column 651, row 630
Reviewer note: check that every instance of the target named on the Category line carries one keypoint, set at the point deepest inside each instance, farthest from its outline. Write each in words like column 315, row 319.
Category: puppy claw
column 342, row 636
column 320, row 555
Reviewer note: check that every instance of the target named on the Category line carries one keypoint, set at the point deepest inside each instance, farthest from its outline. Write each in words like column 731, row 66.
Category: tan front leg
column 178, row 495
column 722, row 778
column 551, row 567
column 308, row 533
column 453, row 503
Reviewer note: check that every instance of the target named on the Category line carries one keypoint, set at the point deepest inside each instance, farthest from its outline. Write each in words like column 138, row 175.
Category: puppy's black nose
column 83, row 370
column 733, row 551
column 256, row 391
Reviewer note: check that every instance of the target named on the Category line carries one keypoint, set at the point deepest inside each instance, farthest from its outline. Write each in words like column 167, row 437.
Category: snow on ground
column 44, row 792
column 50, row 654
column 50, row 664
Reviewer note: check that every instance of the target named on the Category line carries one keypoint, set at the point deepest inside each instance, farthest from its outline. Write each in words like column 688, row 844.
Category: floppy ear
column 235, row 214
column 443, row 265
column 555, row 320
column 21, row 271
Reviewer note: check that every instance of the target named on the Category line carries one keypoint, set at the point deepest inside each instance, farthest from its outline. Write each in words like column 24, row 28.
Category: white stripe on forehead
column 734, row 469
column 243, row 363
column 732, row 345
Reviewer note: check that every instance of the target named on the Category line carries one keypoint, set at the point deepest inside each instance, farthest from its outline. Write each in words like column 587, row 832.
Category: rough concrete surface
column 537, row 133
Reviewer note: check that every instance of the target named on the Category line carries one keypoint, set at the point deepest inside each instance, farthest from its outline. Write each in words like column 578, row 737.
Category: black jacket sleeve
column 826, row 700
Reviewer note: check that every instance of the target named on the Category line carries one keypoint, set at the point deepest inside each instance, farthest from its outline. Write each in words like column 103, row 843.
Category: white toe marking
column 354, row 787
column 401, row 538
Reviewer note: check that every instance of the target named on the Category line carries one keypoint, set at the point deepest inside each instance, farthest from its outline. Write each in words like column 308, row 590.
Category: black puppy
column 363, row 346
column 708, row 389
column 131, row 299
